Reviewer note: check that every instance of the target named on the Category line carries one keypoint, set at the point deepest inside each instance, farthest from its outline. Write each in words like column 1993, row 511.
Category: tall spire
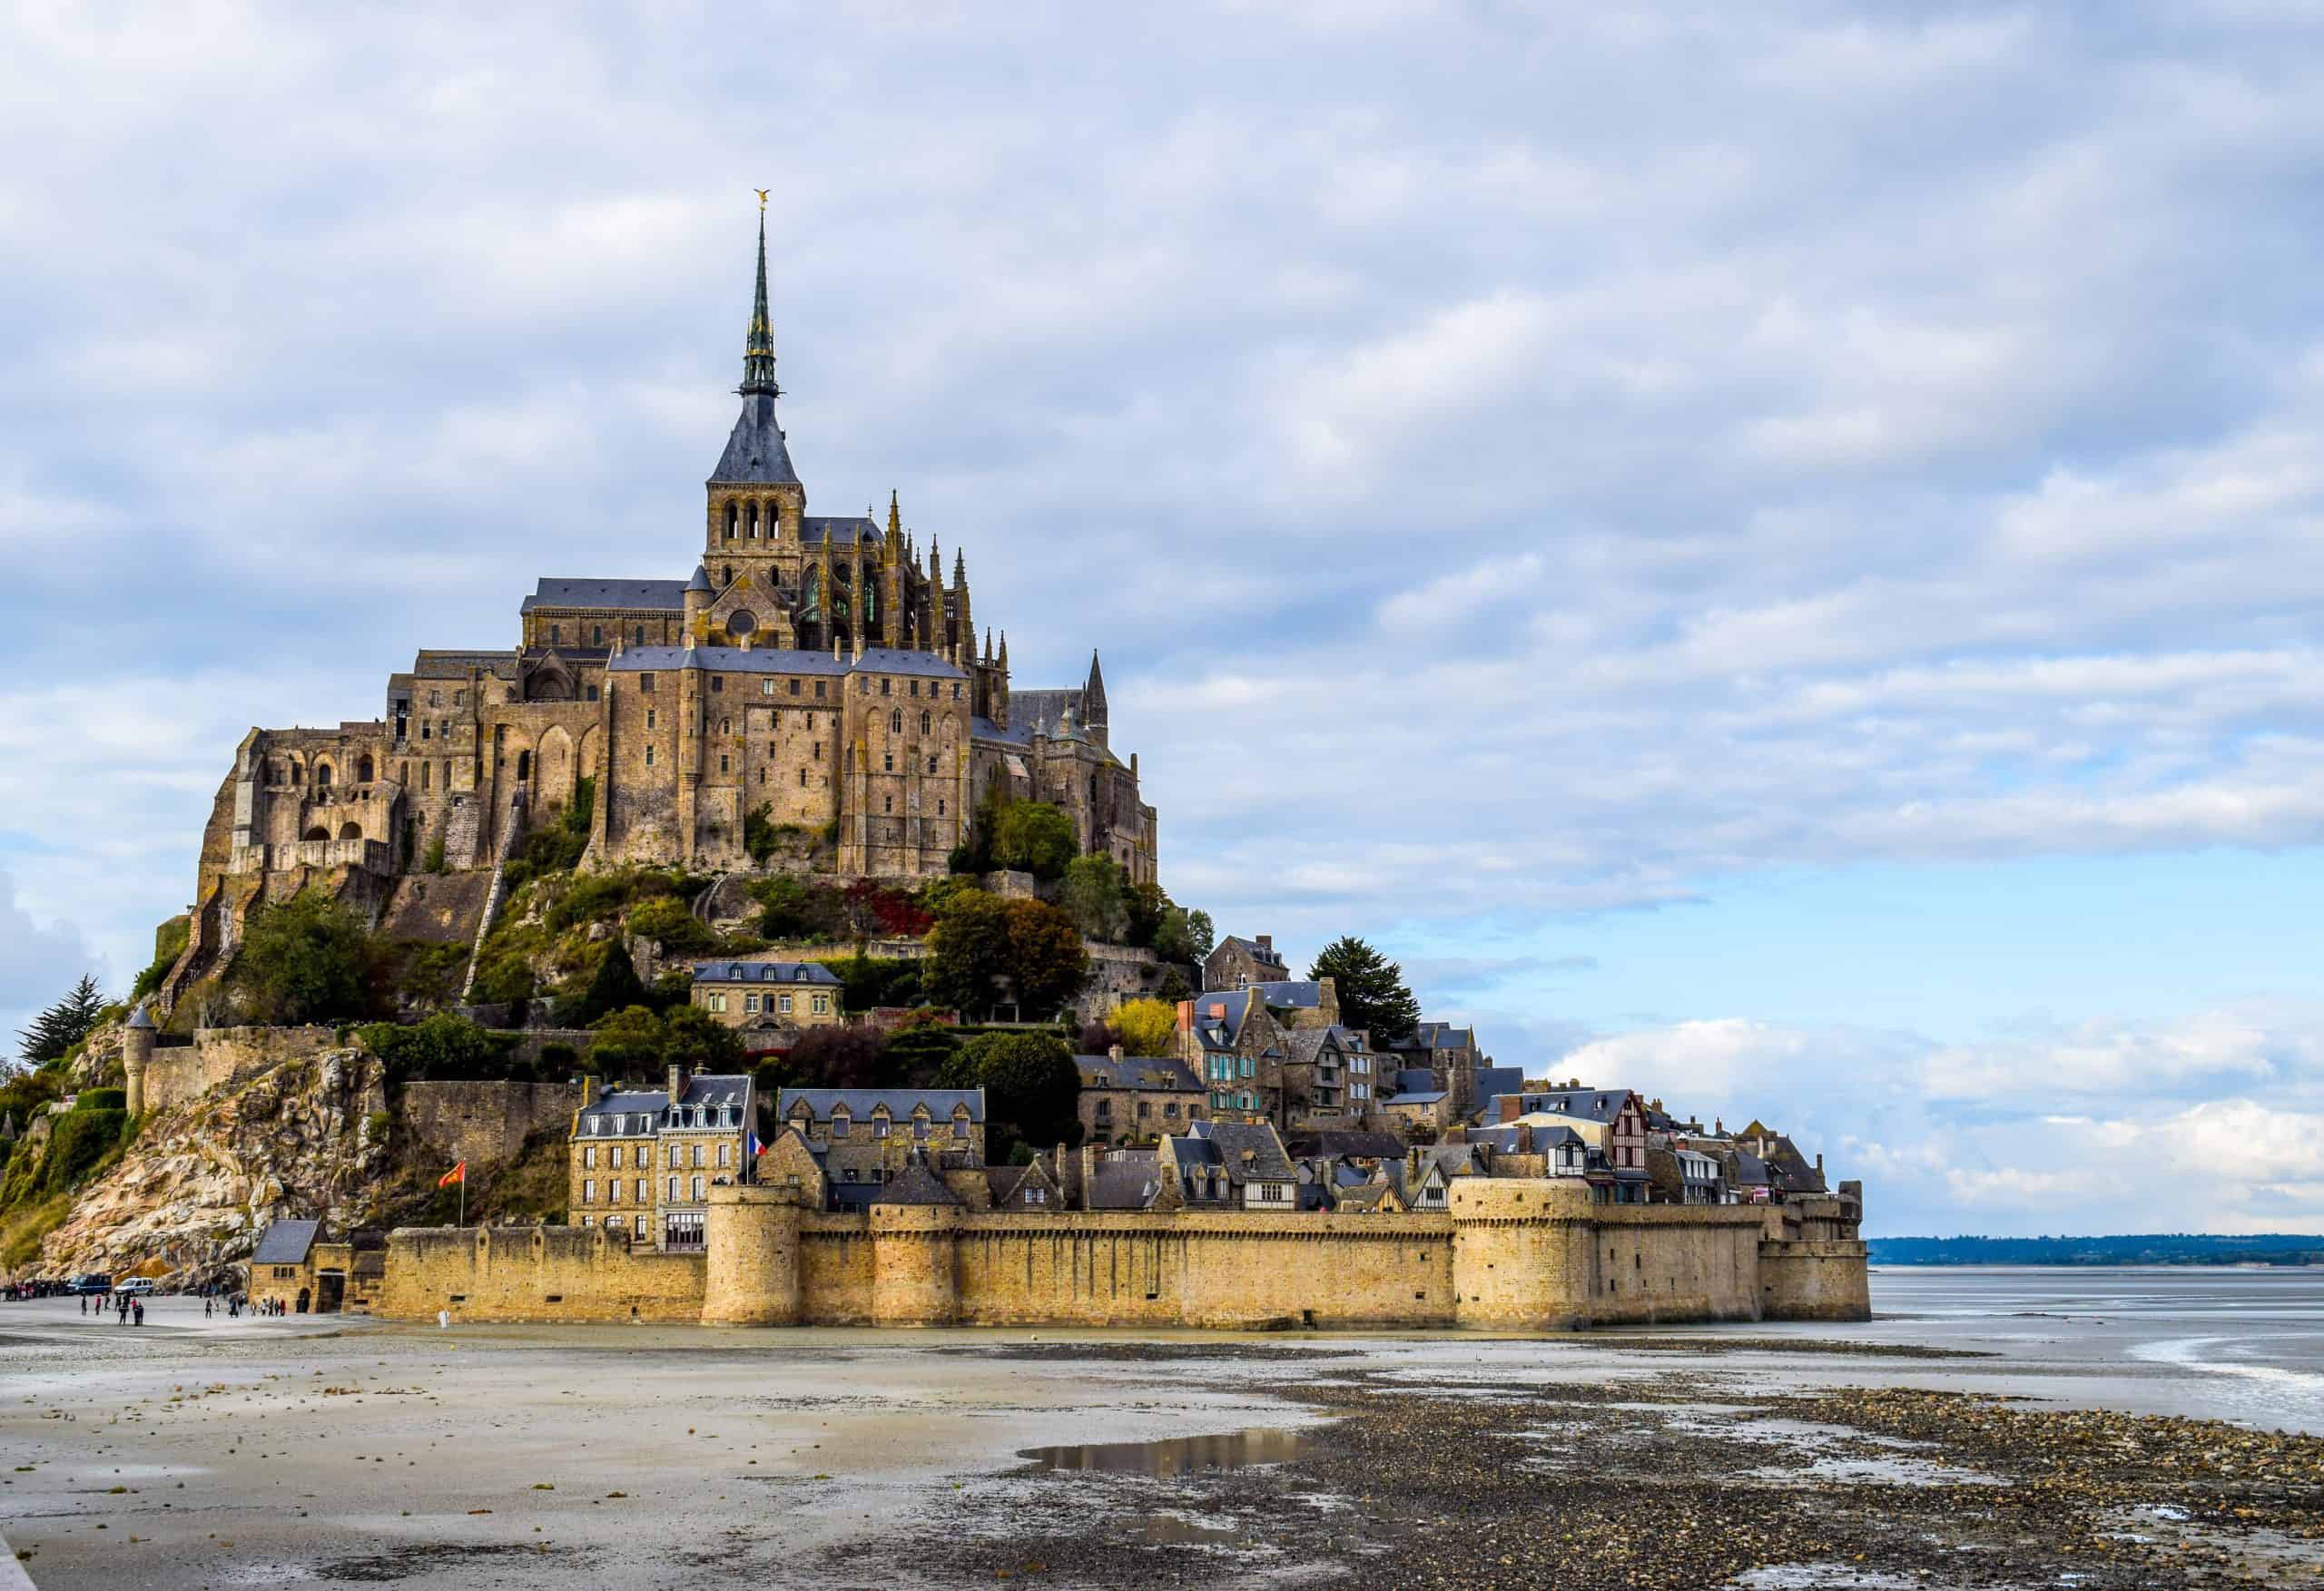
column 758, row 350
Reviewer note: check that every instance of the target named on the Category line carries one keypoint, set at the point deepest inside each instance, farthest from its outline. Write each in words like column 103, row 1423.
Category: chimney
column 677, row 1082
column 588, row 1090
column 1509, row 1104
column 1820, row 1165
column 1112, row 1052
column 1265, row 943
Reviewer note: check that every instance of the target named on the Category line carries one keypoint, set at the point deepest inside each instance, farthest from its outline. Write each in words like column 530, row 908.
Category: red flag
column 459, row 1174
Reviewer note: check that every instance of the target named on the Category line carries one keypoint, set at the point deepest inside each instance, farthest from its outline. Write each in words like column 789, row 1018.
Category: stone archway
column 553, row 769
column 350, row 831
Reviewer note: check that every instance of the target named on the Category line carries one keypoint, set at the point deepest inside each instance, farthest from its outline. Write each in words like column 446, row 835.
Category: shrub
column 760, row 835
column 613, row 985
column 666, row 921
column 445, row 1047
column 1096, row 896
column 1147, row 1028
column 559, row 1057
column 843, row 1057
column 81, row 1139
column 592, row 897
column 307, row 960
column 504, row 979
column 101, row 1099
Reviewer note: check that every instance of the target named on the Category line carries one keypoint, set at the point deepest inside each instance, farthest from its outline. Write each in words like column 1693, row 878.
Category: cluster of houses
column 1271, row 1104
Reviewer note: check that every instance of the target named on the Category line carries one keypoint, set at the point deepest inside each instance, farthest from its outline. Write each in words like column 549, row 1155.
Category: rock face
column 308, row 1138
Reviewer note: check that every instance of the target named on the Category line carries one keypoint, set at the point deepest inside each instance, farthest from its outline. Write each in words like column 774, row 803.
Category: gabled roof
column 1306, row 1044
column 862, row 1103
column 1125, row 1180
column 1299, row 993
column 847, row 530
column 1143, row 1072
column 1253, row 949
column 915, row 1184
column 1589, row 1105
column 1246, row 1151
column 1414, row 1079
column 808, row 972
column 584, row 591
column 286, row 1243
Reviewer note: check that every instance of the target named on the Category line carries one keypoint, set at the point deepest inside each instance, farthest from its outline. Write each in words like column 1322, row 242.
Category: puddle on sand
column 1802, row 1576
column 1176, row 1455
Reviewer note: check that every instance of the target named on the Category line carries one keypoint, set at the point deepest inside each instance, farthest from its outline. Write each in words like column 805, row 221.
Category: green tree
column 1174, row 988
column 967, row 950
column 699, row 1042
column 444, row 1047
column 614, row 985
column 920, row 1050
column 759, row 837
column 628, row 1044
column 1096, row 896
column 1371, row 989
column 63, row 1024
column 307, row 960
column 1032, row 1090
column 1045, row 961
column 1035, row 838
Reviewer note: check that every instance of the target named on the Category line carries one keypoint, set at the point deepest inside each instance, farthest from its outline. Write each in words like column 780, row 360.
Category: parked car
column 96, row 1281
column 136, row 1287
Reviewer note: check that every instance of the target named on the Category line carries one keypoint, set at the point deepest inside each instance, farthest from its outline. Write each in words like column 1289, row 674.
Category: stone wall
column 483, row 1122
column 536, row 1273
column 1510, row 1254
column 182, row 1072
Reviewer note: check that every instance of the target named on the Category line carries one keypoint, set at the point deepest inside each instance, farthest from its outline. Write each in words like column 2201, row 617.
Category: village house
column 1329, row 1075
column 1227, row 1166
column 865, row 1137
column 1612, row 1121
column 1239, row 963
column 770, row 995
column 1237, row 1048
column 642, row 1161
column 1136, row 1099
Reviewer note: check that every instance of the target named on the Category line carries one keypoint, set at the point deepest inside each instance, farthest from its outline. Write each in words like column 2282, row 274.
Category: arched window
column 524, row 766
column 423, row 775
column 317, row 832
column 733, row 516
column 350, row 831
column 895, row 721
column 727, row 574
column 637, row 636
column 364, row 769
column 597, row 634
column 924, row 722
column 726, row 726
column 811, row 598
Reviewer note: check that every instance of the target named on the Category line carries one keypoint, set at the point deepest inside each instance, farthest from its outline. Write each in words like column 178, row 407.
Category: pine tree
column 613, row 986
column 1371, row 989
column 63, row 1024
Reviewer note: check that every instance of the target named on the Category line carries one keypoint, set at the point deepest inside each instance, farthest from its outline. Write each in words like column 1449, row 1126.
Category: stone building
column 642, row 1161
column 1237, row 962
column 770, row 995
column 865, row 1137
column 1136, row 1099
column 1225, row 1165
column 822, row 674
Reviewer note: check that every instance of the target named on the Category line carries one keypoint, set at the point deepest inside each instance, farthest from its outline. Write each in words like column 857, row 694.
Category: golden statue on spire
column 762, row 193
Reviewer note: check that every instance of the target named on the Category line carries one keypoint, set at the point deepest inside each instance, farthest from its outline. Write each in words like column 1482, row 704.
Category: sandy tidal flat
column 1946, row 1444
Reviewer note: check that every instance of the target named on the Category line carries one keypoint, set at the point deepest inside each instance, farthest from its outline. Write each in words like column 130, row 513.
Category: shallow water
column 1174, row 1456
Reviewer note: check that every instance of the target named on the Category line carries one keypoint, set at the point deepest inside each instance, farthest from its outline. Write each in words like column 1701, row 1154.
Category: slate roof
column 1128, row 1182
column 862, row 1103
column 915, row 1184
column 1140, row 1072
column 1416, row 1096
column 1790, row 1170
column 1225, row 1143
column 1299, row 993
column 1338, row 1141
column 810, row 972
column 1366, row 1195
column 708, row 1089
column 1414, row 1079
column 138, row 1019
column 1019, row 733
column 1592, row 1105
column 286, row 1243
column 1046, row 711
column 581, row 592
column 756, row 454
column 1492, row 1080
column 1444, row 1035
column 773, row 659
column 1307, row 1044
column 849, row 530
column 1253, row 949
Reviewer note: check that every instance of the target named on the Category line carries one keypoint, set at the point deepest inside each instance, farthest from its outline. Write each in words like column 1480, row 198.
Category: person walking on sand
column 138, row 1306
column 84, row 1305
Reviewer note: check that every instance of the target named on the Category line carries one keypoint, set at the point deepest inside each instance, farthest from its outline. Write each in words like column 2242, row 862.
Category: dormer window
column 839, row 1124
column 878, row 1126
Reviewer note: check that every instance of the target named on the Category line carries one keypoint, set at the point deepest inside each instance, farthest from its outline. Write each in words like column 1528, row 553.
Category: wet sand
column 268, row 1452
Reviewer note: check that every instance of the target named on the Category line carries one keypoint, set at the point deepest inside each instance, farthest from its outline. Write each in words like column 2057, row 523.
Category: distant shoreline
column 2284, row 1250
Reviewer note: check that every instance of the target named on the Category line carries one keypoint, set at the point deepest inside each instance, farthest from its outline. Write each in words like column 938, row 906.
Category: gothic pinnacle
column 758, row 347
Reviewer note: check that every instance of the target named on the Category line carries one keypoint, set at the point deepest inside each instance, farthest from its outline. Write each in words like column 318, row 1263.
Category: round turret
column 136, row 1054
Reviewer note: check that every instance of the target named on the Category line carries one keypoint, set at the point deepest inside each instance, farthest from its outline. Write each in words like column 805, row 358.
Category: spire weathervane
column 758, row 348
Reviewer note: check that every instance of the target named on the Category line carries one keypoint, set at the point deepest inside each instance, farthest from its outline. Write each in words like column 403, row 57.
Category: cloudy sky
column 1773, row 555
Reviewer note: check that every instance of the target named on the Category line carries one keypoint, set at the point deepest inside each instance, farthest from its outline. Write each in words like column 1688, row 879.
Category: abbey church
column 820, row 674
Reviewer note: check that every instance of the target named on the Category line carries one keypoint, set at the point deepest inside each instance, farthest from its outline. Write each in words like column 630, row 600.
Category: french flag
column 757, row 1148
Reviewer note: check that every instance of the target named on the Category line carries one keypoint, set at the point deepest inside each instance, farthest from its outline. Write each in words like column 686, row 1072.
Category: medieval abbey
column 820, row 674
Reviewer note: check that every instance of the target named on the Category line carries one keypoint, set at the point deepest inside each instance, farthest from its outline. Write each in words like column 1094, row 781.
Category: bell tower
column 756, row 497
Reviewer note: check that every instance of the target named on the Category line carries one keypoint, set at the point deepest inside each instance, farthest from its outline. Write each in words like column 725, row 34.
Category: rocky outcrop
column 305, row 1138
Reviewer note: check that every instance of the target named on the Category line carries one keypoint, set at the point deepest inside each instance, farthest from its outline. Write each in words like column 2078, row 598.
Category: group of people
column 131, row 1311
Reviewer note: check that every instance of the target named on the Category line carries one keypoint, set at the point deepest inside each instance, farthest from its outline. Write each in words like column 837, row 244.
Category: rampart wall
column 483, row 1122
column 181, row 1072
column 1508, row 1254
